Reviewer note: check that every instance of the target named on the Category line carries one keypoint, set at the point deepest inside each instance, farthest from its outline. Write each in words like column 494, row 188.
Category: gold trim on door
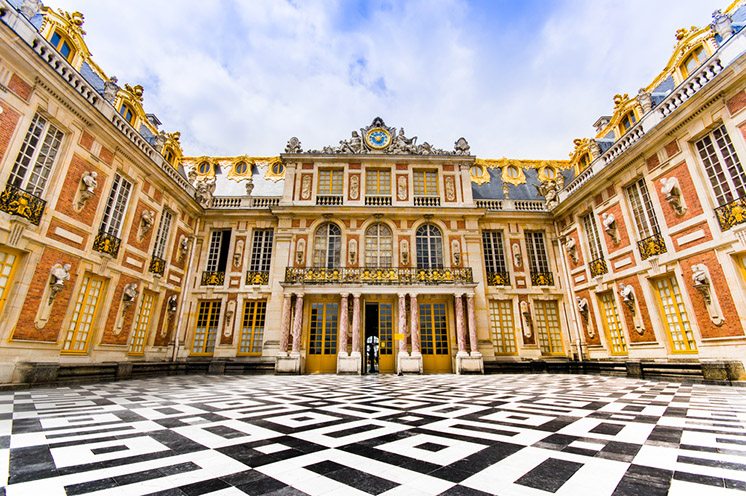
column 323, row 324
column 436, row 357
column 548, row 327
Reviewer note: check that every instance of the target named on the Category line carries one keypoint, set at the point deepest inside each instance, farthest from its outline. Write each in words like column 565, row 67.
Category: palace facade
column 121, row 256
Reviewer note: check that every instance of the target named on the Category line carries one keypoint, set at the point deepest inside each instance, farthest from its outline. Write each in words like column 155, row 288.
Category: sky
column 518, row 79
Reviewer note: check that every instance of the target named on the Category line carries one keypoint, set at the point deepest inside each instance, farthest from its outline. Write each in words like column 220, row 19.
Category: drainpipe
column 182, row 304
column 574, row 313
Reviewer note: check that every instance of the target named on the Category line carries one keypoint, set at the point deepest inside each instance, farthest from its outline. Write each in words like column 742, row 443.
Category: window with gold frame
column 330, row 181
column 626, row 123
column 206, row 330
column 503, row 327
column 62, row 45
column 252, row 327
column 548, row 327
column 673, row 314
column 613, row 324
column 695, row 58
column 142, row 324
column 378, row 182
column 127, row 112
column 8, row 263
column 425, row 183
column 80, row 329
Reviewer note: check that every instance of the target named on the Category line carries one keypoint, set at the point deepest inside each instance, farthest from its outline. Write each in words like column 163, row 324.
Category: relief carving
column 305, row 187
column 401, row 188
column 88, row 184
column 354, row 187
column 450, row 189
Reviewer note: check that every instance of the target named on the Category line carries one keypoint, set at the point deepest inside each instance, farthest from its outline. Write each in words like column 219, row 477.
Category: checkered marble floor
column 388, row 435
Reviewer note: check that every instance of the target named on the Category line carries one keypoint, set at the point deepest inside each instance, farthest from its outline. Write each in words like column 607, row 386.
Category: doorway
column 379, row 349
column 322, row 338
column 436, row 358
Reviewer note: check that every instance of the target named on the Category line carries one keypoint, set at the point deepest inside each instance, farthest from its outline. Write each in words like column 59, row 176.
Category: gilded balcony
column 107, row 243
column 379, row 275
column 212, row 278
column 731, row 214
column 257, row 277
column 542, row 279
column 651, row 246
column 16, row 201
column 157, row 266
column 598, row 267
column 498, row 278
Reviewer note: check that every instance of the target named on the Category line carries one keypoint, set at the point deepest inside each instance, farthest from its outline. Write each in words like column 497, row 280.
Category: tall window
column 205, row 334
column 627, row 122
column 62, row 45
column 494, row 254
column 537, row 252
column 252, row 327
column 161, row 237
column 429, row 247
column 377, row 182
column 548, row 326
column 36, row 157
column 673, row 313
column 327, row 246
column 591, row 232
column 128, row 114
column 116, row 205
column 503, row 327
column 142, row 323
column 261, row 250
column 330, row 181
column 613, row 325
column 8, row 261
column 217, row 256
column 692, row 61
column 425, row 183
column 642, row 209
column 378, row 246
column 78, row 332
column 722, row 166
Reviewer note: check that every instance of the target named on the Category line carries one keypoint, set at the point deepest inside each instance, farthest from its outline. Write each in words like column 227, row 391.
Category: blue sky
column 516, row 78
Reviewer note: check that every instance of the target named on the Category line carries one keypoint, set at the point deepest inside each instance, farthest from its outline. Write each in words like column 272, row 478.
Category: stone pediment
column 378, row 138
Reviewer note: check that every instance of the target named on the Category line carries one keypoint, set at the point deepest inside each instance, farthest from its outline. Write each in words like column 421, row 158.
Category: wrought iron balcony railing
column 499, row 278
column 213, row 278
column 542, row 279
column 257, row 277
column 107, row 243
column 731, row 214
column 651, row 246
column 18, row 202
column 157, row 265
column 378, row 276
column 598, row 267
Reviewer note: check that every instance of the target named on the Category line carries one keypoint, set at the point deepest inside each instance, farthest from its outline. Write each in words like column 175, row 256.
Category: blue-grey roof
column 93, row 79
column 145, row 133
column 605, row 144
column 664, row 88
column 493, row 190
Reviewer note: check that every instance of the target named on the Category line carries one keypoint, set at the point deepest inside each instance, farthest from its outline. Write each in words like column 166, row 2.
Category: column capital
column 401, row 295
column 458, row 295
column 299, row 294
column 344, row 295
column 413, row 295
column 287, row 296
column 470, row 295
column 356, row 295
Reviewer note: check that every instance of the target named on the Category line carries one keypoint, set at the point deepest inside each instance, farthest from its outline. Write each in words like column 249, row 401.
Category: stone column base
column 349, row 364
column 409, row 364
column 466, row 364
column 288, row 364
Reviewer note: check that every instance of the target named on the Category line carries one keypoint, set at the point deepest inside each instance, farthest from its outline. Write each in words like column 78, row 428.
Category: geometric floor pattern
column 375, row 435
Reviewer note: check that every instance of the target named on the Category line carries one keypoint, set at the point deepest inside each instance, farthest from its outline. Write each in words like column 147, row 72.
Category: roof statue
column 378, row 138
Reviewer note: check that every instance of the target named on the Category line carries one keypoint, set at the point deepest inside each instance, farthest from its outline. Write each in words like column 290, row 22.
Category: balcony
column 329, row 200
column 500, row 278
column 107, row 243
column 157, row 266
column 542, row 279
column 598, row 267
column 213, row 278
column 378, row 200
column 651, row 246
column 426, row 201
column 731, row 214
column 379, row 276
column 16, row 201
column 257, row 278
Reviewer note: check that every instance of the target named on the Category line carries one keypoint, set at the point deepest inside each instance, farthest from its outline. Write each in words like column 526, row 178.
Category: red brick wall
column 128, row 254
column 19, row 87
column 578, row 250
column 134, row 238
column 693, row 206
column 8, row 122
column 67, row 197
column 621, row 228
column 596, row 339
column 106, row 155
column 703, row 227
column 161, row 340
column 25, row 328
column 653, row 162
column 86, row 141
column 114, row 307
column 732, row 324
column 625, row 313
column 55, row 222
column 737, row 102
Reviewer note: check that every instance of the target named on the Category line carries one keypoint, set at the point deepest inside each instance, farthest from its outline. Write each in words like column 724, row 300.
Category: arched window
column 378, row 246
column 168, row 154
column 128, row 114
column 62, row 45
column 692, row 61
column 627, row 122
column 327, row 245
column 429, row 247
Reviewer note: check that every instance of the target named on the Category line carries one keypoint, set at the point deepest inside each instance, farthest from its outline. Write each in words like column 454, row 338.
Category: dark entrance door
column 370, row 358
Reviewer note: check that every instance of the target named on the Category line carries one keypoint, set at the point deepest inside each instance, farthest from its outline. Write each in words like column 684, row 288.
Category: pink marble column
column 285, row 324
column 414, row 323
column 458, row 301
column 343, row 324
column 356, row 323
column 473, row 343
column 298, row 322
column 403, row 323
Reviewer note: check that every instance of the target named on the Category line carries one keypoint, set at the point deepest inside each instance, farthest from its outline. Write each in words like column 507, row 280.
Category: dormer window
column 627, row 122
column 128, row 114
column 168, row 154
column 241, row 168
column 692, row 61
column 62, row 45
column 583, row 162
column 204, row 168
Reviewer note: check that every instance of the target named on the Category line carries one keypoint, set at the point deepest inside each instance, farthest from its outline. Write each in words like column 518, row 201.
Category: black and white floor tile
column 328, row 435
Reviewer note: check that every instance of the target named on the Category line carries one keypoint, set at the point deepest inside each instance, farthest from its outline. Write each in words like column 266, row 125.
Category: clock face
column 378, row 138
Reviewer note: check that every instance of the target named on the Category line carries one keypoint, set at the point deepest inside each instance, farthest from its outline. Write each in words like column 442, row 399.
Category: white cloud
column 242, row 77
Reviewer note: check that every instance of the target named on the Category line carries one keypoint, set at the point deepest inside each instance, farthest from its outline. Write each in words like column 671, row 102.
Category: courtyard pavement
column 341, row 435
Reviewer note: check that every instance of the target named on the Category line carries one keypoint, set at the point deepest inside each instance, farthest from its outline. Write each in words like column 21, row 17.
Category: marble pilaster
column 458, row 301
column 285, row 324
column 414, row 324
column 297, row 323
column 473, row 342
column 403, row 323
column 343, row 324
column 356, row 324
